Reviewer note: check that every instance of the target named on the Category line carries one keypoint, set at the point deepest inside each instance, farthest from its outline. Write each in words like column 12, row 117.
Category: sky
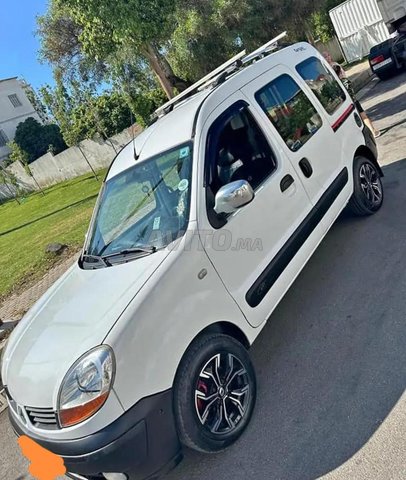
column 18, row 44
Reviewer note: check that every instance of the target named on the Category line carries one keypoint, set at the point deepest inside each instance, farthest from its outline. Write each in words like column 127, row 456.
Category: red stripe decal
column 336, row 125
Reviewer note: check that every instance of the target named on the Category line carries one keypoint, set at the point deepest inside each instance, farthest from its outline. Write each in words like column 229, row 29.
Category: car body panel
column 166, row 317
column 73, row 317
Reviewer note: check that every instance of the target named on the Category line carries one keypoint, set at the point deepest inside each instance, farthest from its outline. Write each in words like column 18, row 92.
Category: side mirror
column 233, row 196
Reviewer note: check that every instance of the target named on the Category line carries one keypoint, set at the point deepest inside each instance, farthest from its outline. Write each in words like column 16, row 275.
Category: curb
column 3, row 401
column 361, row 79
column 364, row 91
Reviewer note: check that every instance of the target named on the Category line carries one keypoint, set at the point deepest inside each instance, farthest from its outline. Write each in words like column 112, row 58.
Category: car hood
column 74, row 316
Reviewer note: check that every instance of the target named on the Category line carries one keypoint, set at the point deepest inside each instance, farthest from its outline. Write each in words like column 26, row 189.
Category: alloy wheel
column 371, row 184
column 222, row 394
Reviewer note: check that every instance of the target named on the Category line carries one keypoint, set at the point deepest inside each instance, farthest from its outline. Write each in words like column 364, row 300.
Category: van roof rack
column 220, row 73
column 265, row 49
column 167, row 107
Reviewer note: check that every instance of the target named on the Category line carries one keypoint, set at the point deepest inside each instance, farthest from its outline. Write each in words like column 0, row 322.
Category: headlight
column 86, row 386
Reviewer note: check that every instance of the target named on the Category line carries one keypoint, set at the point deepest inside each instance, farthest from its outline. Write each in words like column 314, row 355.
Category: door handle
column 287, row 182
column 306, row 167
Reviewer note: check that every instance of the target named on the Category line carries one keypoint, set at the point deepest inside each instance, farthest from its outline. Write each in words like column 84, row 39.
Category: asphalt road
column 331, row 363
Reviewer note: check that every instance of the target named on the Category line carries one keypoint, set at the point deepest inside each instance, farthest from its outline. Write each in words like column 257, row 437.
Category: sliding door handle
column 306, row 167
column 287, row 182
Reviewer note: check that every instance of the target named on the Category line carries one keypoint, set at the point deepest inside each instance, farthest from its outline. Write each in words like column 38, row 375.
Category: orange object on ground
column 44, row 465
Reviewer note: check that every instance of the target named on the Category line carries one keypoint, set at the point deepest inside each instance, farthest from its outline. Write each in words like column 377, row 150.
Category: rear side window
column 290, row 111
column 322, row 83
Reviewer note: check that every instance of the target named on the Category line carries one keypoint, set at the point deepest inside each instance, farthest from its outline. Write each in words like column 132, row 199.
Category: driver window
column 237, row 150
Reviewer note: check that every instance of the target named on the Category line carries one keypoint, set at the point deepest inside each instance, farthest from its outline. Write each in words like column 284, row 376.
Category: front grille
column 44, row 418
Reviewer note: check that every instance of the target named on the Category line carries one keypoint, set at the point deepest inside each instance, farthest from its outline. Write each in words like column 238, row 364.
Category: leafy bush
column 35, row 139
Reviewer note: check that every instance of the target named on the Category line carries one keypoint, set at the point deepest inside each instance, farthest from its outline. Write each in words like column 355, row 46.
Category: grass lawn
column 62, row 215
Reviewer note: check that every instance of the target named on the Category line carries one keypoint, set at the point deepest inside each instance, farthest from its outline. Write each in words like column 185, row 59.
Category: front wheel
column 368, row 194
column 214, row 393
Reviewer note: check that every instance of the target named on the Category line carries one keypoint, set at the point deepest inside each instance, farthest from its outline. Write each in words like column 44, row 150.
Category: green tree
column 8, row 180
column 208, row 33
column 105, row 28
column 36, row 102
column 59, row 104
column 35, row 138
column 104, row 115
column 82, row 114
column 59, row 35
column 320, row 21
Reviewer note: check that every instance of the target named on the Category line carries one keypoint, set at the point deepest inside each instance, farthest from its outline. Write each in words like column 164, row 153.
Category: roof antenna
column 136, row 156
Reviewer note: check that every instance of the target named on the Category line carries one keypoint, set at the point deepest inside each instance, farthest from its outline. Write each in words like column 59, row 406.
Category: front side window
column 290, row 111
column 322, row 83
column 147, row 205
column 238, row 150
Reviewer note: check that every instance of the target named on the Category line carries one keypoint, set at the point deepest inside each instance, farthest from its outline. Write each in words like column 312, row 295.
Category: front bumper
column 142, row 443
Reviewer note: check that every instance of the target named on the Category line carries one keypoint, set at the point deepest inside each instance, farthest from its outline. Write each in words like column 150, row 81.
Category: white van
column 201, row 226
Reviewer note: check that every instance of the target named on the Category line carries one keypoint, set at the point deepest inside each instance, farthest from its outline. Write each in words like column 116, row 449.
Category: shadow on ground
column 388, row 107
column 331, row 362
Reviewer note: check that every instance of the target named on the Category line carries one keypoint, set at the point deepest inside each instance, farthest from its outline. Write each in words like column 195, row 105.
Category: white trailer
column 393, row 12
column 359, row 26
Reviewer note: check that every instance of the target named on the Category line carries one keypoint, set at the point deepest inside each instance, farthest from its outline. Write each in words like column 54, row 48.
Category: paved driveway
column 332, row 362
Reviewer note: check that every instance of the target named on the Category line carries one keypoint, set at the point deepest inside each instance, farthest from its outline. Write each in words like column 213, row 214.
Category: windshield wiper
column 94, row 260
column 138, row 251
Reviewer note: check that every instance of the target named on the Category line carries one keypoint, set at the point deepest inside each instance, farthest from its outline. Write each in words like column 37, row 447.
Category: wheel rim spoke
column 235, row 397
column 230, row 363
column 219, row 420
column 204, row 397
column 210, row 376
column 238, row 373
column 228, row 419
column 217, row 364
column 207, row 411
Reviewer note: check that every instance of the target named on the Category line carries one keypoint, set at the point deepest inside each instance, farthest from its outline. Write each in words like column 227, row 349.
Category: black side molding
column 274, row 270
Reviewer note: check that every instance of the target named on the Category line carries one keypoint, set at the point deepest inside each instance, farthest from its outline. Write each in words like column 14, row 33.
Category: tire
column 210, row 413
column 368, row 194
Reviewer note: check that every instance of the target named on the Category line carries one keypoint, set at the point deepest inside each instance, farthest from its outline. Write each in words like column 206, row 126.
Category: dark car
column 387, row 58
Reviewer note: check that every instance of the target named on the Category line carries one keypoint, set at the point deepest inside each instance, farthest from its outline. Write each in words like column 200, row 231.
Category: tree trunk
column 161, row 68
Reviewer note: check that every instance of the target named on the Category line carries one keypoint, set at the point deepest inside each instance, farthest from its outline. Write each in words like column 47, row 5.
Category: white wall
column 49, row 170
column 333, row 47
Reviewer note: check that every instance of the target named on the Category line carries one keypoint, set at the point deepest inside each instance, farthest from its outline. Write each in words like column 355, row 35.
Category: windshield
column 147, row 205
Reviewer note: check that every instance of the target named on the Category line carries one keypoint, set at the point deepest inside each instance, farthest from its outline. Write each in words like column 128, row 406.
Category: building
column 15, row 107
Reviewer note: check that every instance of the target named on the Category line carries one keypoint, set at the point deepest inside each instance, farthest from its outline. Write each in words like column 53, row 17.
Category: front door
column 252, row 249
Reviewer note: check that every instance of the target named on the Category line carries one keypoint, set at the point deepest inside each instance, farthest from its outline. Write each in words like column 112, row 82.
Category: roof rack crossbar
column 220, row 73
column 161, row 110
column 269, row 46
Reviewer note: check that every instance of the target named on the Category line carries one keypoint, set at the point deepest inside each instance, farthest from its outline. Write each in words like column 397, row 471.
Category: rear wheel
column 214, row 393
column 368, row 194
